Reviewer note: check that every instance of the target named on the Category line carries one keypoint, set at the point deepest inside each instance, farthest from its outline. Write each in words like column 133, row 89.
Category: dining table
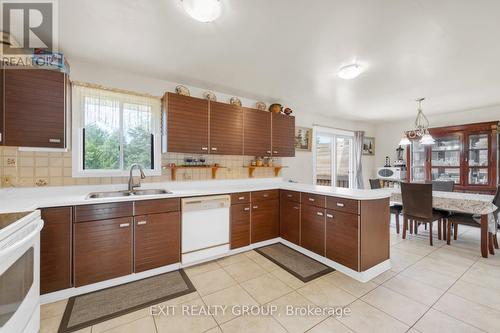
column 457, row 202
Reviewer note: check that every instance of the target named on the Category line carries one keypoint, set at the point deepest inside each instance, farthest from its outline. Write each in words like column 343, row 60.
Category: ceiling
column 289, row 51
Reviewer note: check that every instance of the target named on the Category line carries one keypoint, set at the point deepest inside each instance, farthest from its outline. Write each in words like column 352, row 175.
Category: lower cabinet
column 312, row 229
column 240, row 225
column 157, row 240
column 102, row 250
column 55, row 249
column 342, row 239
column 265, row 220
column 290, row 221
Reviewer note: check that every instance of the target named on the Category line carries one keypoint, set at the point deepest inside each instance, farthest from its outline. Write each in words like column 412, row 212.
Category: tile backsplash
column 29, row 169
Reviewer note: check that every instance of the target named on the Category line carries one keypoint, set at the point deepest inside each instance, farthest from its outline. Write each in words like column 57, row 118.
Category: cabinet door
column 283, row 135
column 226, row 129
column 290, row 221
column 312, row 229
column 157, row 240
column 342, row 238
column 187, row 124
column 34, row 106
column 257, row 138
column 265, row 220
column 102, row 250
column 55, row 250
column 240, row 225
column 2, row 130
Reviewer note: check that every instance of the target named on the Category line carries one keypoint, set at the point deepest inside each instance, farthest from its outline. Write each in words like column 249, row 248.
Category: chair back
column 375, row 184
column 417, row 199
column 443, row 185
column 496, row 202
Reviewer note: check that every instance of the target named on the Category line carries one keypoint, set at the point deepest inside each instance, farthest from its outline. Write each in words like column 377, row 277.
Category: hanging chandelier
column 421, row 130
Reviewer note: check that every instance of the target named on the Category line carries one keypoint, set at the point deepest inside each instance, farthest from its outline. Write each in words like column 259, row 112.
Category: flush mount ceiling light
column 350, row 71
column 202, row 10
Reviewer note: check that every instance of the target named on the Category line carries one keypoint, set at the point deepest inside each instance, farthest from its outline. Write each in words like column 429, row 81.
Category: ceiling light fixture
column 421, row 129
column 350, row 71
column 202, row 10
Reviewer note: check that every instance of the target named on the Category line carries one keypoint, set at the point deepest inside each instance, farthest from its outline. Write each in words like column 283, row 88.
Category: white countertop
column 27, row 199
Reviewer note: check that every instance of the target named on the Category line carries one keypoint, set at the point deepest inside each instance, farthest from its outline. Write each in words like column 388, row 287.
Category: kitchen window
column 113, row 130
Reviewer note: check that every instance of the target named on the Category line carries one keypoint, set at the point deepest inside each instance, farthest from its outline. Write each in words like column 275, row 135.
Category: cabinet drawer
column 265, row 195
column 240, row 198
column 343, row 205
column 312, row 199
column 156, row 206
column 103, row 211
column 290, row 196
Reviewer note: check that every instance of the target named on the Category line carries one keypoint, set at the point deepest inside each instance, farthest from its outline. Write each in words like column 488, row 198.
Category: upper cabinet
column 199, row 126
column 34, row 107
column 283, row 135
column 257, row 135
column 187, row 119
column 226, row 129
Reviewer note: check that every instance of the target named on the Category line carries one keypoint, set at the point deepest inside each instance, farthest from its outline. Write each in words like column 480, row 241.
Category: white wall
column 299, row 167
column 389, row 134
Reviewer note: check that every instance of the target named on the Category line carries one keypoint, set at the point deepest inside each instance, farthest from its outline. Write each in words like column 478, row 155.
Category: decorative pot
column 287, row 111
column 275, row 108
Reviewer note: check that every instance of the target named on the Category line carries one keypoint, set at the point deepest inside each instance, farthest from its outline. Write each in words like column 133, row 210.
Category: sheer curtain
column 358, row 154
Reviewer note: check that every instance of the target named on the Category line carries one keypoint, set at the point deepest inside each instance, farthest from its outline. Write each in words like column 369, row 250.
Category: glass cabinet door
column 478, row 159
column 446, row 156
column 417, row 156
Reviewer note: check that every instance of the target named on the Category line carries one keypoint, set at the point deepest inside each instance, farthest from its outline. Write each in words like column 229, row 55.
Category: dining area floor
column 441, row 288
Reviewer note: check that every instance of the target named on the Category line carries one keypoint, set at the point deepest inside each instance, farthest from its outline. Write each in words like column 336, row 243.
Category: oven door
column 20, row 280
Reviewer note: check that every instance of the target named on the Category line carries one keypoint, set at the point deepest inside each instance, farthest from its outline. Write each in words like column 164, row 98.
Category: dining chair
column 443, row 186
column 475, row 221
column 417, row 206
column 395, row 209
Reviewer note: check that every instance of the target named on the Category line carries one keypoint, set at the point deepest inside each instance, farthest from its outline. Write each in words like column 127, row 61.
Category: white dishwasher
column 205, row 227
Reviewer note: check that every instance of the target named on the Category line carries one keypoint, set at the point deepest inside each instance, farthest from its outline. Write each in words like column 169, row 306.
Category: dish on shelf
column 261, row 106
column 235, row 101
column 210, row 95
column 182, row 90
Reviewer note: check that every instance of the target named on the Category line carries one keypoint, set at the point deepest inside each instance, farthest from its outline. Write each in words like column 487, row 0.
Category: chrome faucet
column 132, row 185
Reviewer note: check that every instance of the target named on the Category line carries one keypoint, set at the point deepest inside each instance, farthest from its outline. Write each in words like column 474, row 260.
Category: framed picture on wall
column 369, row 146
column 303, row 138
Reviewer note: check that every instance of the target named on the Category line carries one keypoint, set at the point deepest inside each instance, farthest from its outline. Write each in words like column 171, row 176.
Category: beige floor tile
column 401, row 307
column 417, row 247
column 185, row 321
column 209, row 282
column 414, row 289
column 202, row 268
column 50, row 325
column 245, row 270
column 120, row 321
column 323, row 293
column 451, row 255
column 476, row 293
column 435, row 279
column 365, row 318
column 330, row 325
column 401, row 260
column 472, row 313
column 265, row 263
column 253, row 324
column 288, row 278
column 143, row 325
column 350, row 285
column 252, row 254
column 296, row 322
column 55, row 309
column 229, row 297
column 214, row 330
column 454, row 270
column 438, row 322
column 266, row 288
column 232, row 259
column 484, row 275
column 384, row 277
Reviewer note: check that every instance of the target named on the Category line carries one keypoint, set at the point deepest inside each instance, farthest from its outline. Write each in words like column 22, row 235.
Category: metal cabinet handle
column 269, row 152
column 275, row 152
column 296, row 207
column 330, row 216
column 204, row 148
column 340, row 204
column 265, row 195
column 319, row 213
column 311, row 199
column 214, row 148
column 246, row 209
column 255, row 207
column 142, row 222
column 55, row 140
column 241, row 198
column 289, row 195
column 124, row 225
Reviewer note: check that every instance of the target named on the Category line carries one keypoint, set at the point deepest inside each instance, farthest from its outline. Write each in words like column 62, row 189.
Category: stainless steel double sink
column 125, row 193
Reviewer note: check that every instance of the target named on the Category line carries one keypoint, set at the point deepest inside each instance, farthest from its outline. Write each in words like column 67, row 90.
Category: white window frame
column 335, row 133
column 77, row 141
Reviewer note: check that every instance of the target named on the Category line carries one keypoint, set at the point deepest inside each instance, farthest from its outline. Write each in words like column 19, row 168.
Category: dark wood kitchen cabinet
column 290, row 216
column 240, row 225
column 342, row 231
column 283, row 135
column 226, row 129
column 265, row 220
column 312, row 228
column 187, row 121
column 102, row 250
column 2, row 129
column 55, row 249
column 34, row 103
column 157, row 240
column 257, row 134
